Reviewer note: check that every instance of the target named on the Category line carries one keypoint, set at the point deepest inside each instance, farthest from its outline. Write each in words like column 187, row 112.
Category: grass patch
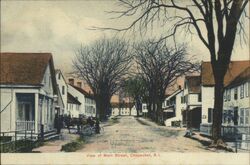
column 73, row 146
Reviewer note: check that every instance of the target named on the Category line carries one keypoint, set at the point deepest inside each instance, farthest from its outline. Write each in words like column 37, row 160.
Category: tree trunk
column 102, row 105
column 218, row 109
column 159, row 113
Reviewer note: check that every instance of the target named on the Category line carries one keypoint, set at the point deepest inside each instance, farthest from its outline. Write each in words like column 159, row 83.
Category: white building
column 123, row 109
column 62, row 93
column 172, row 108
column 73, row 106
column 236, row 101
column 231, row 106
column 88, row 105
column 192, row 102
column 28, row 87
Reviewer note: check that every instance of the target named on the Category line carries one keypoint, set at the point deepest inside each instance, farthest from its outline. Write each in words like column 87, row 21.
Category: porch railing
column 25, row 125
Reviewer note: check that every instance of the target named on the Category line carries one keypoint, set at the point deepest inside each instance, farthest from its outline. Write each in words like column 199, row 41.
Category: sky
column 61, row 26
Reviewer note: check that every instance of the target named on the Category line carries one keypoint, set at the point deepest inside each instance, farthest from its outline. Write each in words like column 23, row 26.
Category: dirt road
column 131, row 136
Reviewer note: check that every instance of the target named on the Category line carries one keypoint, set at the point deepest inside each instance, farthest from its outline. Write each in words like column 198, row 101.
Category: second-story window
column 63, row 90
column 242, row 91
column 199, row 97
column 235, row 93
column 247, row 88
column 228, row 94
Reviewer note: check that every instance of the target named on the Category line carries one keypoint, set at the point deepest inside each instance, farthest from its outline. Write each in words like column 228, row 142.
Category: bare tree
column 160, row 66
column 216, row 22
column 135, row 88
column 102, row 65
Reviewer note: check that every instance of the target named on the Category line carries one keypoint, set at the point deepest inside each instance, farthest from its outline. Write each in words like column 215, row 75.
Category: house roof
column 174, row 93
column 58, row 71
column 235, row 68
column 85, row 93
column 72, row 99
column 241, row 78
column 25, row 68
column 193, row 83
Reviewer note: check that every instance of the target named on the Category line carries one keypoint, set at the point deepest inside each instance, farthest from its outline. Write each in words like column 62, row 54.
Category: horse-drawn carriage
column 84, row 125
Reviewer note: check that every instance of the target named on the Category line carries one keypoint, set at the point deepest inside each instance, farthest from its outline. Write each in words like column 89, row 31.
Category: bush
column 73, row 146
column 19, row 146
column 176, row 123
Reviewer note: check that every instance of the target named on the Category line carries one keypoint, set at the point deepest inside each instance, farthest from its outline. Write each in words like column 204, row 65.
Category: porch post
column 36, row 112
column 14, row 111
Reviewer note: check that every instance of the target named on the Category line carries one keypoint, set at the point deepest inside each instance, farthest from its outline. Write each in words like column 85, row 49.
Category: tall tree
column 216, row 22
column 135, row 88
column 160, row 66
column 102, row 65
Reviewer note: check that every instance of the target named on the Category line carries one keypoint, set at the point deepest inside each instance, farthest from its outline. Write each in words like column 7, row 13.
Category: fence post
column 31, row 133
column 15, row 139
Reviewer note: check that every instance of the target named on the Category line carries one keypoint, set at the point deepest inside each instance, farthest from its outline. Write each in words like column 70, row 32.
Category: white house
column 73, row 106
column 236, row 100
column 62, row 93
column 28, row 87
column 234, row 70
column 192, row 102
column 88, row 105
column 173, row 107
column 123, row 109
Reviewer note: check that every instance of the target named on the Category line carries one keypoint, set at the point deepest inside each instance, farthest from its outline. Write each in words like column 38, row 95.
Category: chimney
column 179, row 87
column 71, row 81
column 79, row 84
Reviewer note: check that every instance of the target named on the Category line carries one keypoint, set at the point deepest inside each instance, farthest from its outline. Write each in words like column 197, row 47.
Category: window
column 59, row 76
column 229, row 94
column 241, row 117
column 247, row 117
column 210, row 115
column 242, row 91
column 186, row 99
column 235, row 117
column 247, row 89
column 235, row 93
column 199, row 97
column 63, row 90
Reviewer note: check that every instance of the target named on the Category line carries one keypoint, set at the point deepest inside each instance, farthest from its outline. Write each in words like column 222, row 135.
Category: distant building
column 28, row 88
column 192, row 102
column 62, row 93
column 88, row 105
column 172, row 108
column 73, row 106
column 123, row 109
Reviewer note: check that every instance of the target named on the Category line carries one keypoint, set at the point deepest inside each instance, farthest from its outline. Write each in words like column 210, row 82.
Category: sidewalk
column 56, row 145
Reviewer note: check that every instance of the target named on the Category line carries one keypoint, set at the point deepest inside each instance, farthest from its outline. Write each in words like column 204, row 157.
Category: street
column 129, row 135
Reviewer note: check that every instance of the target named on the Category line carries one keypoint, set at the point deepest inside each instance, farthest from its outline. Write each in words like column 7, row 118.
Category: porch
column 34, row 111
